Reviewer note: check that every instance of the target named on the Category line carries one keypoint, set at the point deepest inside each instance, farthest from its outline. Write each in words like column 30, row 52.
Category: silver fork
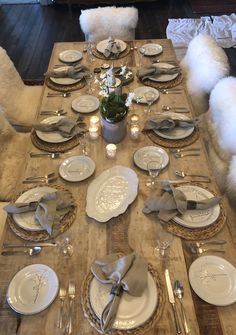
column 62, row 297
column 36, row 181
column 184, row 149
column 58, row 112
column 71, row 291
column 179, row 155
column 49, row 154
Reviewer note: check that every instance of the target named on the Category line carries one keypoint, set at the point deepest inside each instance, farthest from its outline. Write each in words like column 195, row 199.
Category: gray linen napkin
column 112, row 49
column 173, row 202
column 155, row 71
column 75, row 72
column 127, row 273
column 168, row 123
column 49, row 210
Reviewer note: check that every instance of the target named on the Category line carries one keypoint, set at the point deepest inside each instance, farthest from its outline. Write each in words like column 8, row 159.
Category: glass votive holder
column 134, row 119
column 134, row 131
column 94, row 121
column 111, row 150
column 93, row 132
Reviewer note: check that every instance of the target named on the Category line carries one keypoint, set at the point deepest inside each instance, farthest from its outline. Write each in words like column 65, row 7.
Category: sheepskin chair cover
column 99, row 23
column 19, row 101
column 13, row 150
column 204, row 64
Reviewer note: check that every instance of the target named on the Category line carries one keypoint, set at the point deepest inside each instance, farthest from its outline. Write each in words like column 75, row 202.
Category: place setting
column 111, row 49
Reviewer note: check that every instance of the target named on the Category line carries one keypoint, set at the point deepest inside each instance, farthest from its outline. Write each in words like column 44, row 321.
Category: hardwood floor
column 28, row 32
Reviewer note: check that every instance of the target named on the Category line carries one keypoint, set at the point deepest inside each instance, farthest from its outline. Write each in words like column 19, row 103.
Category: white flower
column 123, row 70
column 103, row 75
column 129, row 99
column 103, row 93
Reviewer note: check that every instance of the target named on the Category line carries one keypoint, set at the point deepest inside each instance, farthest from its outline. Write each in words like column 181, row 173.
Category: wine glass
column 89, row 79
column 141, row 55
column 84, row 144
column 150, row 97
column 164, row 240
column 154, row 169
column 90, row 47
column 66, row 248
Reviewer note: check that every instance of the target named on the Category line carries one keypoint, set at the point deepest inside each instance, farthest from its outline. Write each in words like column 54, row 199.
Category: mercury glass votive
column 111, row 150
column 134, row 119
column 93, row 132
column 134, row 131
column 94, row 121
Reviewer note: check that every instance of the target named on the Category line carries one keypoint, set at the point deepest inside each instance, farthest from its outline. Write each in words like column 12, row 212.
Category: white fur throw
column 19, row 101
column 100, row 23
column 231, row 181
column 13, row 149
column 204, row 64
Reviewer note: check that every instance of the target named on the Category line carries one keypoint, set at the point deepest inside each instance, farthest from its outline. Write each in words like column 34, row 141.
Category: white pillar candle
column 111, row 150
column 94, row 121
column 134, row 132
column 93, row 132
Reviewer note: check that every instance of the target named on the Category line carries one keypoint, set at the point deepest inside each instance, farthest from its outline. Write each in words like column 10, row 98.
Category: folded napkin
column 173, row 202
column 65, row 127
column 168, row 123
column 127, row 273
column 49, row 210
column 155, row 71
column 112, row 49
column 75, row 72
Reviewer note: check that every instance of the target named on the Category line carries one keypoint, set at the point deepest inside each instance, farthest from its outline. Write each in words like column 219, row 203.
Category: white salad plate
column 101, row 46
column 197, row 218
column 176, row 133
column 152, row 49
column 132, row 311
column 164, row 77
column 139, row 94
column 70, row 56
column 151, row 153
column 64, row 81
column 52, row 137
column 85, row 104
column 213, row 279
column 32, row 289
column 27, row 220
column 77, row 168
column 111, row 193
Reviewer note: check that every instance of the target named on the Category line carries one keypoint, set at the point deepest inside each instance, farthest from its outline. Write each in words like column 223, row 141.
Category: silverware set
column 180, row 153
column 71, row 297
column 202, row 247
column 62, row 94
column 178, row 109
column 46, row 179
column 172, row 91
column 52, row 155
column 57, row 112
column 182, row 174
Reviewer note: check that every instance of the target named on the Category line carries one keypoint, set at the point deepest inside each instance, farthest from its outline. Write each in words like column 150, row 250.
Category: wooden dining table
column 130, row 231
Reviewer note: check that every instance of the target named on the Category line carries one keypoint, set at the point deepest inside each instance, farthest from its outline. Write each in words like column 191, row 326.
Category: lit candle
column 134, row 132
column 134, row 119
column 93, row 132
column 94, row 121
column 111, row 150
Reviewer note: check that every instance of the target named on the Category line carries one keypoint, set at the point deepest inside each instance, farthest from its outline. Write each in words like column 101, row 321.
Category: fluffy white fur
column 19, row 101
column 231, row 181
column 13, row 149
column 204, row 64
column 99, row 23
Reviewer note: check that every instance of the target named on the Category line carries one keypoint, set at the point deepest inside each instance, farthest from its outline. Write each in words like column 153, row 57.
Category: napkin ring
column 191, row 204
column 116, row 290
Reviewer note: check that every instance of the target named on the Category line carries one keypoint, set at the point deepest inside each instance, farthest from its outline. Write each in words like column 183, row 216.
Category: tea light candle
column 111, row 150
column 93, row 132
column 94, row 121
column 134, row 119
column 134, row 132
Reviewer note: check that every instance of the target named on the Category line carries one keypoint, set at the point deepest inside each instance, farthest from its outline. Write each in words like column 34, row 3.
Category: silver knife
column 172, row 301
column 42, row 244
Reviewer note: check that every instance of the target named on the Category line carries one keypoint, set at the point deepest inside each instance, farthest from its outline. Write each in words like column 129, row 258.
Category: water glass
column 66, row 248
column 89, row 79
column 90, row 47
column 150, row 97
column 164, row 240
column 154, row 169
column 141, row 52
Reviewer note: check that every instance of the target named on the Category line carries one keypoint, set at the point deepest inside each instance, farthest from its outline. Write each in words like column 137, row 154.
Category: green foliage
column 113, row 107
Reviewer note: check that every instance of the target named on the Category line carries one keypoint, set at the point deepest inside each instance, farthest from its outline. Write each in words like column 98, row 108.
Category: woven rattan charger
column 95, row 321
column 65, row 88
column 42, row 235
column 162, row 85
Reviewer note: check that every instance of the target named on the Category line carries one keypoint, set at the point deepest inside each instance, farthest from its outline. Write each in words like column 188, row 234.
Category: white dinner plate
column 76, row 168
column 132, row 311
column 111, row 193
column 213, row 279
column 85, row 104
column 32, row 289
column 70, row 56
column 152, row 49
column 176, row 133
column 139, row 94
column 52, row 137
column 27, row 220
column 101, row 46
column 197, row 218
column 164, row 77
column 66, row 80
column 151, row 153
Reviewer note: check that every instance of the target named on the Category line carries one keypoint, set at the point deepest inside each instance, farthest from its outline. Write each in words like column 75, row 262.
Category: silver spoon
column 64, row 95
column 49, row 154
column 179, row 292
column 183, row 174
column 172, row 91
column 58, row 112
column 30, row 251
column 168, row 108
column 47, row 176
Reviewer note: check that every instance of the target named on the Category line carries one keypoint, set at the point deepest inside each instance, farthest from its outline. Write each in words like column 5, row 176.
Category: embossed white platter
column 213, row 279
column 70, row 56
column 101, row 46
column 140, row 91
column 197, row 218
column 152, row 49
column 76, row 168
column 164, row 77
column 132, row 311
column 52, row 137
column 32, row 289
column 111, row 193
column 85, row 104
column 151, row 153
column 27, row 220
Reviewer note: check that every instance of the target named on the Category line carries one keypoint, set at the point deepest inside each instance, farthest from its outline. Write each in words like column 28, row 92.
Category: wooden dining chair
column 99, row 23
column 204, row 64
column 20, row 101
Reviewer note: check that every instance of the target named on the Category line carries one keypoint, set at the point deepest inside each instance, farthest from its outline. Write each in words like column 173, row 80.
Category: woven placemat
column 95, row 321
column 164, row 142
column 65, row 88
column 54, row 147
column 42, row 235
column 101, row 56
column 162, row 85
column 198, row 233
